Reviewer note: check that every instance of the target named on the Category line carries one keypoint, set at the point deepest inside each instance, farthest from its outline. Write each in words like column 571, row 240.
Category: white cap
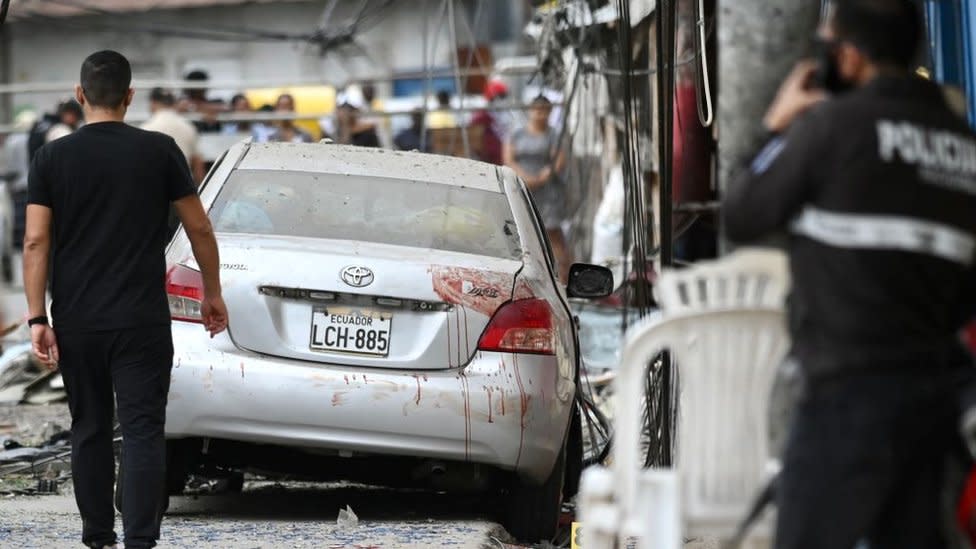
column 352, row 96
column 24, row 121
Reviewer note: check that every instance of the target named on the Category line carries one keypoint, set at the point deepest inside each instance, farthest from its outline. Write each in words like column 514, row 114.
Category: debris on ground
column 347, row 518
column 24, row 379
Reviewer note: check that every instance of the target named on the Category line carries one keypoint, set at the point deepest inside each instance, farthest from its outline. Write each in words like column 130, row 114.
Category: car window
column 388, row 211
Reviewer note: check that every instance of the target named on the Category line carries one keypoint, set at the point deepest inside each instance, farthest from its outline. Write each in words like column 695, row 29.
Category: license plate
column 359, row 331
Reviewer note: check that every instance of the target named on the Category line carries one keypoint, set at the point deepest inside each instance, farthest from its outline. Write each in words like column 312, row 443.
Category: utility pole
column 758, row 43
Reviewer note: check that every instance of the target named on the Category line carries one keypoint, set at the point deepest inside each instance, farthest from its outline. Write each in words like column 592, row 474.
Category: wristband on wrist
column 37, row 320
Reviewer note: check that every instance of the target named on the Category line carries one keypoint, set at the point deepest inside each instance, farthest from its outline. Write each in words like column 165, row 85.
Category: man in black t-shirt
column 102, row 194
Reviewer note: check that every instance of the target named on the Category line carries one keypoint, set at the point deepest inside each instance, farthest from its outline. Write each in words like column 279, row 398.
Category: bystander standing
column 412, row 138
column 537, row 156
column 104, row 192
column 70, row 118
column 286, row 130
column 17, row 151
column 443, row 117
column 195, row 101
column 239, row 105
column 167, row 121
column 351, row 129
column 492, row 132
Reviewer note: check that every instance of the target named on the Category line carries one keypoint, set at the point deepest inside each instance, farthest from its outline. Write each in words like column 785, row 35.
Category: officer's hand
column 214, row 313
column 45, row 345
column 795, row 97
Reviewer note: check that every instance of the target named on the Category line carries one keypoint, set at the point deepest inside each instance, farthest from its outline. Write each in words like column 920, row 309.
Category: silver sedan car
column 394, row 317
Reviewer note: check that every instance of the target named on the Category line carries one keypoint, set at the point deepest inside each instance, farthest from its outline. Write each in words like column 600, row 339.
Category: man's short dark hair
column 444, row 98
column 887, row 31
column 541, row 101
column 105, row 78
column 71, row 106
column 162, row 96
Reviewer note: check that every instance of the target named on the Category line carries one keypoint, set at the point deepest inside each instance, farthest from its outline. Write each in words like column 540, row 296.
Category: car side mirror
column 589, row 281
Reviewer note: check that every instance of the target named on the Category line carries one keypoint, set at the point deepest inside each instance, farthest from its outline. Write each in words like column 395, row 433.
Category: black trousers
column 137, row 363
column 865, row 460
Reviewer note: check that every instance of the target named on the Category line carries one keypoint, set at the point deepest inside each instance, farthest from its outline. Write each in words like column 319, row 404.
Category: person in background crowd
column 381, row 125
column 351, row 129
column 537, row 156
column 70, row 118
column 287, row 131
column 491, row 137
column 239, row 104
column 18, row 155
column 167, row 121
column 37, row 136
column 443, row 117
column 262, row 131
column 411, row 139
column 195, row 101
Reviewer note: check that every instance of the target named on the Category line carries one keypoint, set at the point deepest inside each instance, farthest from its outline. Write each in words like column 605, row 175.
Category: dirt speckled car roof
column 363, row 161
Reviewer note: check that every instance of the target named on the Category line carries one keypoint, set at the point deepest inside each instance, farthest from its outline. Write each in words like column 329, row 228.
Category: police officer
column 874, row 178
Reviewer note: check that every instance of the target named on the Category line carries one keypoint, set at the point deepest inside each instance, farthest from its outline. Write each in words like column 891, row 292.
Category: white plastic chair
column 724, row 325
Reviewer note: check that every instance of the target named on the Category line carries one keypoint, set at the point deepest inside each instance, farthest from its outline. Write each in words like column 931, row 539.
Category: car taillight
column 523, row 326
column 184, row 288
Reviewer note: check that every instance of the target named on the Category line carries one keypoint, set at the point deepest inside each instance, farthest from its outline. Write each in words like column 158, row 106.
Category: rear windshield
column 366, row 209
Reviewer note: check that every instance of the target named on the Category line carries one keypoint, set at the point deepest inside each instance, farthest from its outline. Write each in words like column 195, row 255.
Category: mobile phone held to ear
column 827, row 77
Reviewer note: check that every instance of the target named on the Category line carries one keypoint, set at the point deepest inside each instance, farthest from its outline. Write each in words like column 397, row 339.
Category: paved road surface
column 271, row 516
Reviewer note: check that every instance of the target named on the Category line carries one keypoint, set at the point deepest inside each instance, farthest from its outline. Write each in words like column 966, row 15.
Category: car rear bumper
column 509, row 411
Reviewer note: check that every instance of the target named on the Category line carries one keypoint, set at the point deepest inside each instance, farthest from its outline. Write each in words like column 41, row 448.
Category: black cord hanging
column 4, row 6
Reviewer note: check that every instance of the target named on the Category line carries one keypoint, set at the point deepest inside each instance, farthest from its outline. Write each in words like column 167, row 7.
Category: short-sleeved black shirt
column 109, row 186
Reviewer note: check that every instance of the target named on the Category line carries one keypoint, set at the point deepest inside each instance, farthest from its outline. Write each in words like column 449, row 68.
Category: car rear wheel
column 533, row 511
column 574, row 456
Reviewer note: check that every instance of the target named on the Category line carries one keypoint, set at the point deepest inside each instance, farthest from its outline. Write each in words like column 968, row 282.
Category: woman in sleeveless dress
column 537, row 157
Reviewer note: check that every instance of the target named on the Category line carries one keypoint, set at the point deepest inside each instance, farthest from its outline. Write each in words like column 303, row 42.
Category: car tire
column 574, row 456
column 533, row 511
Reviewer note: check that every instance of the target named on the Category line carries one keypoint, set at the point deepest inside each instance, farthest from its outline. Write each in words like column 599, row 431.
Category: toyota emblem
column 357, row 277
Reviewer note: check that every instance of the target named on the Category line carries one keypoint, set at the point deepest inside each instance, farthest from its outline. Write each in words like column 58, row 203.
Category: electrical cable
column 326, row 16
column 4, row 7
column 704, row 87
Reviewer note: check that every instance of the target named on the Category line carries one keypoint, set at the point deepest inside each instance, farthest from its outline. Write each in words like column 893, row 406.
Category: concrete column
column 758, row 43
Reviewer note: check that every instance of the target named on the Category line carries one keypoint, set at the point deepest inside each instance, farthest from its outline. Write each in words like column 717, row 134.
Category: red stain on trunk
column 242, row 370
column 417, row 379
column 336, row 399
column 346, row 378
column 502, row 394
column 482, row 291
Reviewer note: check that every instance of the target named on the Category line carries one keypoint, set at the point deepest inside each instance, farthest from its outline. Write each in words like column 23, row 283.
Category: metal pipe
column 452, row 28
column 136, row 118
column 65, row 86
column 665, row 81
